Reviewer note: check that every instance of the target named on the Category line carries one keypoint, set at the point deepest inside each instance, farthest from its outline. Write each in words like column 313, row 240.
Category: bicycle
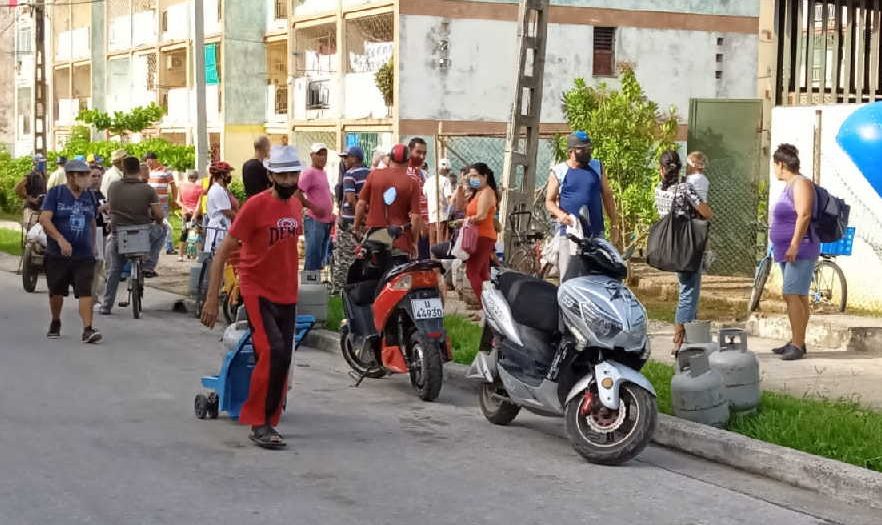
column 133, row 242
column 527, row 244
column 829, row 287
column 229, row 289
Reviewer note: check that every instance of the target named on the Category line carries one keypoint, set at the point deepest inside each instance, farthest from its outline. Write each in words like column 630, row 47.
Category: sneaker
column 780, row 350
column 792, row 353
column 150, row 274
column 124, row 304
column 90, row 335
column 54, row 329
column 104, row 311
column 171, row 252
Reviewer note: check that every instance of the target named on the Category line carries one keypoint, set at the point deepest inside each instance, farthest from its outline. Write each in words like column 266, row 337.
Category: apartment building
column 118, row 54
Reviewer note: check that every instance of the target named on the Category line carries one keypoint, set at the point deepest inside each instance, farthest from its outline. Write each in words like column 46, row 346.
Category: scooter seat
column 533, row 301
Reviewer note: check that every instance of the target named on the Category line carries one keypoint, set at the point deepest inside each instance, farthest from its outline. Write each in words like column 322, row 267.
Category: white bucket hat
column 284, row 159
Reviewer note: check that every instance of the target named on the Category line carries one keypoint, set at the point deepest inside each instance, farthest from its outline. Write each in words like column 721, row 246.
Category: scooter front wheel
column 353, row 359
column 610, row 437
column 427, row 367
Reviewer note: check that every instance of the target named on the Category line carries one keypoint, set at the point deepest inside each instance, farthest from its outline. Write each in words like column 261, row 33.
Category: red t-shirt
column 268, row 229
column 407, row 201
column 419, row 176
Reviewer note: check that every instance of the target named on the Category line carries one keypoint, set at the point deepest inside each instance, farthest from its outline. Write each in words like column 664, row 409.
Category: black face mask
column 285, row 191
column 583, row 157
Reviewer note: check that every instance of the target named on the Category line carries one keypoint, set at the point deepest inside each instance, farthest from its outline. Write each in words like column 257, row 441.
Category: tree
column 629, row 133
column 123, row 124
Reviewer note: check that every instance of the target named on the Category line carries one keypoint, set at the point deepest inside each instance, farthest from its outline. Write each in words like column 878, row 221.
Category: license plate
column 427, row 308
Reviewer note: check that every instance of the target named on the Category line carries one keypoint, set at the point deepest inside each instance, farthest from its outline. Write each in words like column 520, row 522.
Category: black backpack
column 830, row 216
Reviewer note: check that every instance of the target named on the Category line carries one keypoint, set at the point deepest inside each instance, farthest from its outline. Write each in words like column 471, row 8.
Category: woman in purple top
column 793, row 246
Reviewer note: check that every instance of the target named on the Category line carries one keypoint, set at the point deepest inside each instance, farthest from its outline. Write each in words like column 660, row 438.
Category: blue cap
column 578, row 139
column 353, row 151
column 76, row 166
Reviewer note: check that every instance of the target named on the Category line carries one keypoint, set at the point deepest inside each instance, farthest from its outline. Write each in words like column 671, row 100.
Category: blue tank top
column 582, row 187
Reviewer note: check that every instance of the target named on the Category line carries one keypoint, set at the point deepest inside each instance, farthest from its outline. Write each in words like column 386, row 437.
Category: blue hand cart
column 229, row 388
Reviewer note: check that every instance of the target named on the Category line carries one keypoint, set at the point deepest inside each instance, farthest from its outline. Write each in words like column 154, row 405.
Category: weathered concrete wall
column 99, row 60
column 673, row 66
column 7, row 78
column 243, row 57
column 705, row 7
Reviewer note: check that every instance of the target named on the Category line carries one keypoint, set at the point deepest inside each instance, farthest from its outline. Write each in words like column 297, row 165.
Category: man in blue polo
column 580, row 181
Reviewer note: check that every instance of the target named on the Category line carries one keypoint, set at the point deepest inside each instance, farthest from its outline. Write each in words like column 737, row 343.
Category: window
column 604, row 51
column 24, row 40
column 281, row 9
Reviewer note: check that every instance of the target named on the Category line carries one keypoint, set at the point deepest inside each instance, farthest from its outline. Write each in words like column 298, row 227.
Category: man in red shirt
column 418, row 150
column 266, row 228
column 390, row 200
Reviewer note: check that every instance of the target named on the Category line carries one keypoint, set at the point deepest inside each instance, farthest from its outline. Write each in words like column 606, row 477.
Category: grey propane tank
column 312, row 296
column 234, row 332
column 739, row 368
column 697, row 390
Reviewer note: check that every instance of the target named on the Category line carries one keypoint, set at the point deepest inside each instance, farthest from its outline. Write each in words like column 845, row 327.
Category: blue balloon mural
column 861, row 138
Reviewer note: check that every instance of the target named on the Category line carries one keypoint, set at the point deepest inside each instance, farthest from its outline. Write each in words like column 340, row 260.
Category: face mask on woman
column 475, row 183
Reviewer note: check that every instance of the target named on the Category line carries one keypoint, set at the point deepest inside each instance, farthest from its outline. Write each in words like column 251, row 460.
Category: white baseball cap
column 444, row 163
column 318, row 146
column 284, row 159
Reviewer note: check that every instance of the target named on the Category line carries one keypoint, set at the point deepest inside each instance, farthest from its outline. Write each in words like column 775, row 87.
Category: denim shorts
column 798, row 276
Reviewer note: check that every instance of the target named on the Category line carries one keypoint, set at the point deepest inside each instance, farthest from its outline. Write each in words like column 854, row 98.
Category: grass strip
column 10, row 241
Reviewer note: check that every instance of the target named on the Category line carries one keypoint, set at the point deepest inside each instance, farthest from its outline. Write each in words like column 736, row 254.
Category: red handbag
column 469, row 234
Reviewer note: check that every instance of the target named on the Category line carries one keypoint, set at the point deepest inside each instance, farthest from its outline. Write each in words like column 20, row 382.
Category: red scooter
column 394, row 319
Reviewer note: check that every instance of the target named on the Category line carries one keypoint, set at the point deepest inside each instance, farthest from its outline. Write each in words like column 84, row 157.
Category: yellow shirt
column 203, row 200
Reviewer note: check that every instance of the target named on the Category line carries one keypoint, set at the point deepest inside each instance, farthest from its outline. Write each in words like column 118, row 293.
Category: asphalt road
column 106, row 435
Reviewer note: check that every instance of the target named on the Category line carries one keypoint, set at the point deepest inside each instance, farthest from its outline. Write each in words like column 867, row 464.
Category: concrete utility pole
column 40, row 127
column 202, row 150
column 519, row 169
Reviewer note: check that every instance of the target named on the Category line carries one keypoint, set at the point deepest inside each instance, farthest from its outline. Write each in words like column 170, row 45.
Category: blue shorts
column 798, row 276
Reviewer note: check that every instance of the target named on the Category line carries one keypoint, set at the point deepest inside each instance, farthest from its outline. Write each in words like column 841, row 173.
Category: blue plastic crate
column 841, row 247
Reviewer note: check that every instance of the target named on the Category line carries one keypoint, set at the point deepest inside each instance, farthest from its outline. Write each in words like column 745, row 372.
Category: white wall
column 673, row 67
column 842, row 178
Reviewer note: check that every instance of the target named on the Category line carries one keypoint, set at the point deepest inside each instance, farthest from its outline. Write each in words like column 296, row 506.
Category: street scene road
column 106, row 434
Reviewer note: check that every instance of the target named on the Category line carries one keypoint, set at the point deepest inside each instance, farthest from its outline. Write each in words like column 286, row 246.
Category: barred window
column 604, row 51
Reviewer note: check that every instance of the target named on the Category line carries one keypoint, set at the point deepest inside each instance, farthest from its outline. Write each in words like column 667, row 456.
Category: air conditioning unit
column 318, row 95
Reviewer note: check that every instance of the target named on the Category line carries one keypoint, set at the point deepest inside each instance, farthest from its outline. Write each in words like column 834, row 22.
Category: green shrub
column 11, row 172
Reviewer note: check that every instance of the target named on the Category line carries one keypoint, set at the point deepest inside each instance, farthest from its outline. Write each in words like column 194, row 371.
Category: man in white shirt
column 115, row 172
column 438, row 191
column 220, row 207
column 696, row 163
column 58, row 176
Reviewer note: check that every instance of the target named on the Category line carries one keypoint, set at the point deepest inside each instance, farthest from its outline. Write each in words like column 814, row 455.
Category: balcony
column 277, row 15
column 276, row 103
column 73, row 45
column 176, row 20
column 180, row 106
column 363, row 98
column 125, row 32
column 67, row 110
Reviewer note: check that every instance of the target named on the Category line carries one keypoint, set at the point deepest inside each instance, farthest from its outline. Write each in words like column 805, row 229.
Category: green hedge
column 12, row 170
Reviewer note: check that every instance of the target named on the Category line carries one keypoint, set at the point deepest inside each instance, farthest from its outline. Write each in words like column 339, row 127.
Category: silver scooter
column 572, row 351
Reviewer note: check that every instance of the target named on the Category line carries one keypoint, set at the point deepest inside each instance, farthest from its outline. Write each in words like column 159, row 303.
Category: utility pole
column 202, row 151
column 519, row 169
column 40, row 127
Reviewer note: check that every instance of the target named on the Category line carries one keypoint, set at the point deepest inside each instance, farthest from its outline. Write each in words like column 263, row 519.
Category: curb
column 826, row 476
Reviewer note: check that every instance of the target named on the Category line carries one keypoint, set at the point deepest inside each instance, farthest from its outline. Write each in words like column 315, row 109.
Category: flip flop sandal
column 267, row 437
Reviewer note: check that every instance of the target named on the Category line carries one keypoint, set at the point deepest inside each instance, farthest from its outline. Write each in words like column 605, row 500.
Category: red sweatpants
column 272, row 334
column 478, row 265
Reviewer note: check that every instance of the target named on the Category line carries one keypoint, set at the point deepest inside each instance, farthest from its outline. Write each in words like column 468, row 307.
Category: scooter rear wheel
column 427, row 367
column 370, row 370
column 496, row 410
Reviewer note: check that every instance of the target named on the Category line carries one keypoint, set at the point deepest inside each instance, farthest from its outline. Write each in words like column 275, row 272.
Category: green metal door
column 729, row 132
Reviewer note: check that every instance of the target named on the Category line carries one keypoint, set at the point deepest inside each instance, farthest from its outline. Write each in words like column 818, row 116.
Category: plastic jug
column 697, row 390
column 739, row 369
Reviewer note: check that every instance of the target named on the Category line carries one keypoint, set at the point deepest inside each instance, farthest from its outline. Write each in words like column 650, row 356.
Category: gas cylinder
column 312, row 296
column 739, row 369
column 233, row 334
column 697, row 390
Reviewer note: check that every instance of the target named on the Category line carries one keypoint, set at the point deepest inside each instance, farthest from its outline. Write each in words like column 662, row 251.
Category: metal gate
column 729, row 132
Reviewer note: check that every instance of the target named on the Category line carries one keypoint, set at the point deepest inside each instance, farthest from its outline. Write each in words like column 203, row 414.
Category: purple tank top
column 782, row 228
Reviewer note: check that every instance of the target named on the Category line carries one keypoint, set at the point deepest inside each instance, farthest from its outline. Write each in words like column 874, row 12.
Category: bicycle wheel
column 763, row 269
column 829, row 290
column 136, row 288
column 202, row 286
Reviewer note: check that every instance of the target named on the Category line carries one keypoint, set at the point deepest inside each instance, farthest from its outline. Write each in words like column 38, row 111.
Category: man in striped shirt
column 345, row 241
column 163, row 183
